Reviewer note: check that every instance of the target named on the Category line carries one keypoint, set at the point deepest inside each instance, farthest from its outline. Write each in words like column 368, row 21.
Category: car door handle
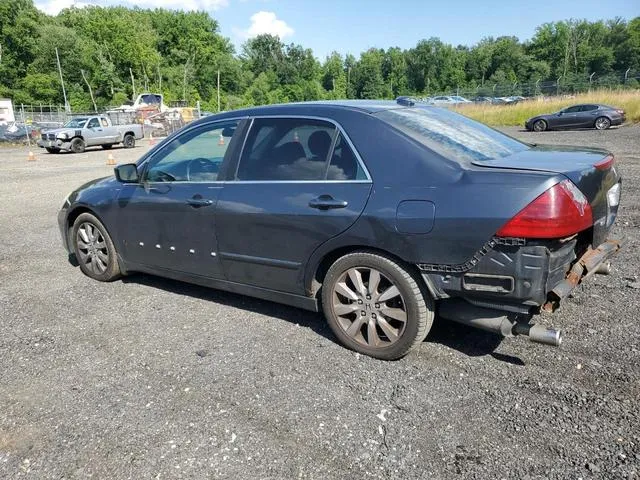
column 327, row 202
column 199, row 202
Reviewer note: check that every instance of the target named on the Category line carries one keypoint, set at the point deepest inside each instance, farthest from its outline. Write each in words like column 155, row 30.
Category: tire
column 386, row 329
column 94, row 249
column 77, row 145
column 107, row 146
column 539, row 126
column 52, row 150
column 602, row 123
column 129, row 141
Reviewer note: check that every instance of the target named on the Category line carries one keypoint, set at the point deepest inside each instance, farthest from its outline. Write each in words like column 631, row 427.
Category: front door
column 95, row 134
column 168, row 220
column 298, row 184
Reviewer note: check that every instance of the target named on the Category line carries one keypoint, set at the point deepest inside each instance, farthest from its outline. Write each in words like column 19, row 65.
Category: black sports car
column 595, row 116
column 376, row 212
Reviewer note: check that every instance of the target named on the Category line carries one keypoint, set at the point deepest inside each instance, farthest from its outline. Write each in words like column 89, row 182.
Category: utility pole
column 218, row 92
column 558, row 86
column 95, row 107
column 625, row 73
column 348, row 80
column 591, row 79
column 64, row 92
column 133, row 84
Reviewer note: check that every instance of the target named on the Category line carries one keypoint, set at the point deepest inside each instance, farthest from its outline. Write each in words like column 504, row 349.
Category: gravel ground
column 150, row 378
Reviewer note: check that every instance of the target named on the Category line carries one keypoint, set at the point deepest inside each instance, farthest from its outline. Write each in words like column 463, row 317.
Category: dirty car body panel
column 434, row 189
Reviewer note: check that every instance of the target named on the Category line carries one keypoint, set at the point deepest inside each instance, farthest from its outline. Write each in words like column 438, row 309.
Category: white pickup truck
column 82, row 132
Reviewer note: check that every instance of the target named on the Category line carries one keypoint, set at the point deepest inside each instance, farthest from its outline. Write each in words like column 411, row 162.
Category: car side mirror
column 127, row 173
column 560, row 114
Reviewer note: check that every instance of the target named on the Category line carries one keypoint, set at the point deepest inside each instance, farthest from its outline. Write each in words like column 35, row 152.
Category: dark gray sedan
column 590, row 115
column 376, row 213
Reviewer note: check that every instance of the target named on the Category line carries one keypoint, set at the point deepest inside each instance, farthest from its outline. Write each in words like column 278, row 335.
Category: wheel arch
column 74, row 214
column 319, row 269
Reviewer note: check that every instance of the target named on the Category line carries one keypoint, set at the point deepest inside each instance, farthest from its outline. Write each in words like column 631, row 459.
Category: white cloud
column 265, row 22
column 53, row 7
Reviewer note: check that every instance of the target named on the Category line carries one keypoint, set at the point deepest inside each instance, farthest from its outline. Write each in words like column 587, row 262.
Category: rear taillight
column 559, row 212
column 605, row 164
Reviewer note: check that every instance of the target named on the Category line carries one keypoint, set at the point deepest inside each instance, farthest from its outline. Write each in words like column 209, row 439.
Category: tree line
column 116, row 49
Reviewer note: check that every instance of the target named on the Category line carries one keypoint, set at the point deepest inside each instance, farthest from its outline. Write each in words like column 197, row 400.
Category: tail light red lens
column 605, row 164
column 559, row 212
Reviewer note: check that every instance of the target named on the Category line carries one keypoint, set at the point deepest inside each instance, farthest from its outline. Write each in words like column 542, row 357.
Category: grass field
column 504, row 115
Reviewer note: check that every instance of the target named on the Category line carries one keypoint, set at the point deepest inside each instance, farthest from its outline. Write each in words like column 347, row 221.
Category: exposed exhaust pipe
column 604, row 268
column 498, row 321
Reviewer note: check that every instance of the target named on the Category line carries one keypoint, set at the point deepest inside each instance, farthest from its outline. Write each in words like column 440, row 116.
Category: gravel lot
column 150, row 378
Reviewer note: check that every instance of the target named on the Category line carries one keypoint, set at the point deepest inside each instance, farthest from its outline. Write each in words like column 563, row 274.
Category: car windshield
column 451, row 135
column 76, row 123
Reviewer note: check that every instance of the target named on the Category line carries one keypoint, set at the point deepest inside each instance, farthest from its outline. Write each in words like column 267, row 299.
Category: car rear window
column 451, row 135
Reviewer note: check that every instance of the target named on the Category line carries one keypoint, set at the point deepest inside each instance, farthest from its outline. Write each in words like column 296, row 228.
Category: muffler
column 498, row 321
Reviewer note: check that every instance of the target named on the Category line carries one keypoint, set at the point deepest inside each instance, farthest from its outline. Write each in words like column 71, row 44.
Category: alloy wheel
column 92, row 248
column 369, row 307
column 602, row 123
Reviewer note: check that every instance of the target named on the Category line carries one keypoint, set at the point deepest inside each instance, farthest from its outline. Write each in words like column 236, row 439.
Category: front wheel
column 375, row 306
column 602, row 123
column 94, row 249
column 77, row 145
column 539, row 126
column 129, row 141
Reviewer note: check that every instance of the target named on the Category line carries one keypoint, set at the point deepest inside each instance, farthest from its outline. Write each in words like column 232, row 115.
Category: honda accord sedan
column 377, row 213
column 599, row 117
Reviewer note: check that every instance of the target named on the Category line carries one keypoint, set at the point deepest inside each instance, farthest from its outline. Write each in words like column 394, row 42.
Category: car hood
column 56, row 131
column 543, row 116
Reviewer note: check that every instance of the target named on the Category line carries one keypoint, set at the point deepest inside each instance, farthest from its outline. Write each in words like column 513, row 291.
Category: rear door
column 587, row 116
column 299, row 182
column 168, row 220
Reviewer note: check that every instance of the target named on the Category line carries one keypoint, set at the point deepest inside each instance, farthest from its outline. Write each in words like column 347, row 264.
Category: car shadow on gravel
column 469, row 341
column 304, row 318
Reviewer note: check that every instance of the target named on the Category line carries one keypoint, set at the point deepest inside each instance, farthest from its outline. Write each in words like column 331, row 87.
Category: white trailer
column 6, row 112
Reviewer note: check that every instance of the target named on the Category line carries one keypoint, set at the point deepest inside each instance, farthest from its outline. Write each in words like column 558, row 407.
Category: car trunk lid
column 592, row 170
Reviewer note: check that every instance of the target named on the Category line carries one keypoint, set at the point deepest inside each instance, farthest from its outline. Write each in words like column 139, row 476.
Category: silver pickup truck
column 82, row 132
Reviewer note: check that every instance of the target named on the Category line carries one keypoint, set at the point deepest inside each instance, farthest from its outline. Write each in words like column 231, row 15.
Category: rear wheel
column 94, row 249
column 602, row 123
column 539, row 126
column 375, row 306
column 53, row 150
column 128, row 141
column 77, row 145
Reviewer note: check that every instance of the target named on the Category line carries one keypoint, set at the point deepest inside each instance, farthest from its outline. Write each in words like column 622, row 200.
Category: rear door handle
column 327, row 202
column 199, row 202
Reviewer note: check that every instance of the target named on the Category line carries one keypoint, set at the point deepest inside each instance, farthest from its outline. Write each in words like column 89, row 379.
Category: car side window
column 194, row 156
column 344, row 164
column 573, row 109
column 93, row 123
column 589, row 108
column 280, row 149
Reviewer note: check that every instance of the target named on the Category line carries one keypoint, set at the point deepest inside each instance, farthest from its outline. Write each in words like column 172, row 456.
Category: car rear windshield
column 452, row 135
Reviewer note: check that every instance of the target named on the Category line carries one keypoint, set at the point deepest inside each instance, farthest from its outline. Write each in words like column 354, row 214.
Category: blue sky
column 352, row 26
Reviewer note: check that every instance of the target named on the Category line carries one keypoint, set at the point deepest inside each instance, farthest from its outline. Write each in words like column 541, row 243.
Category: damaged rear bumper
column 588, row 264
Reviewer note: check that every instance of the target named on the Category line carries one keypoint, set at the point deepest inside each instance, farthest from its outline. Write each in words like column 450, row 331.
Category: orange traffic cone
column 111, row 160
column 31, row 157
column 221, row 140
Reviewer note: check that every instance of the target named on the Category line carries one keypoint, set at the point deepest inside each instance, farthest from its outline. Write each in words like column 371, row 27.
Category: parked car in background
column 595, row 116
column 90, row 131
column 371, row 211
column 448, row 100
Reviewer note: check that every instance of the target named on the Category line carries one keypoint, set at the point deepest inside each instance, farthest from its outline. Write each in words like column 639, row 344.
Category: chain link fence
column 563, row 85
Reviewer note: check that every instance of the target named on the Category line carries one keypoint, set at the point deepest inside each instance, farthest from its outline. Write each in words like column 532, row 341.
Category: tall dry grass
column 503, row 115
